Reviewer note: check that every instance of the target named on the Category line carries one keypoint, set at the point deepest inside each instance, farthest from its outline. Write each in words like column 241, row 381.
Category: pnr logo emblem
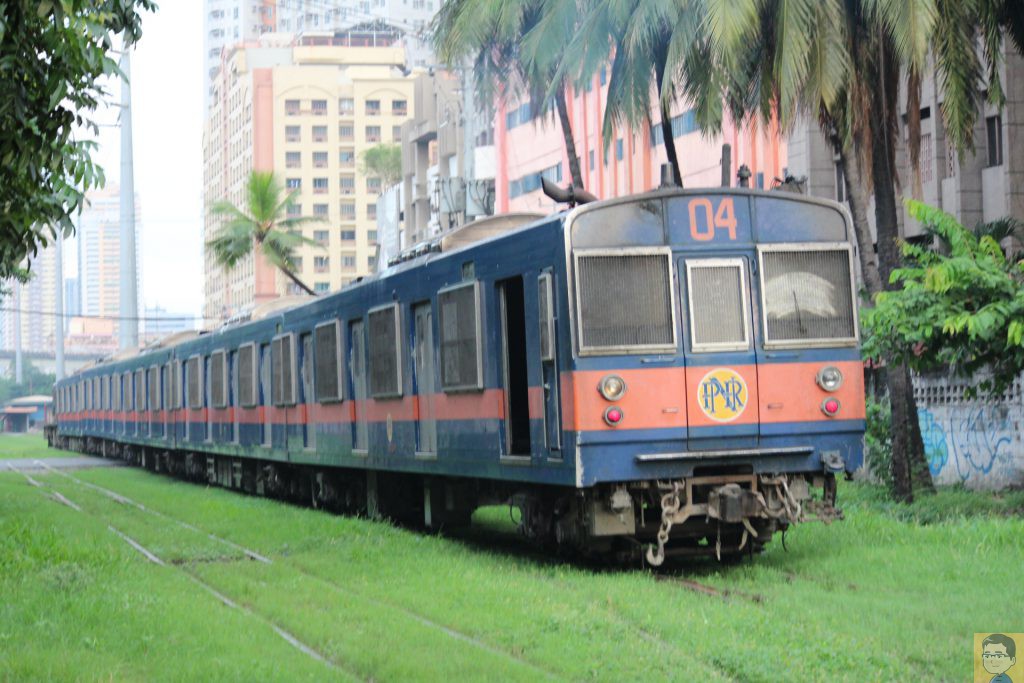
column 722, row 395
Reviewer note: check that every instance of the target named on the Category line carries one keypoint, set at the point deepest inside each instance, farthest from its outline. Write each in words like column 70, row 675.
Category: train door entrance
column 307, row 400
column 265, row 395
column 357, row 366
column 233, row 402
column 423, row 377
column 516, row 384
column 721, row 366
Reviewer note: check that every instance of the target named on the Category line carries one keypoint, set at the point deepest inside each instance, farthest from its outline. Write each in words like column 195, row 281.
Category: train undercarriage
column 723, row 514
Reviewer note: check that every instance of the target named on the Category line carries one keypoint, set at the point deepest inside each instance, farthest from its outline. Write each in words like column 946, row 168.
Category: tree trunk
column 294, row 278
column 857, row 196
column 668, row 140
column 909, row 465
column 570, row 144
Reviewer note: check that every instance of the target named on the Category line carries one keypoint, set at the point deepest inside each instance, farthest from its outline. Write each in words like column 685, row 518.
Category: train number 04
column 703, row 230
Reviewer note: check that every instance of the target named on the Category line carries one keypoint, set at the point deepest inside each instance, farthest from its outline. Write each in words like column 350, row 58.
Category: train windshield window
column 194, row 382
column 808, row 295
column 247, row 376
column 218, row 380
column 459, row 309
column 632, row 223
column 385, row 353
column 718, row 304
column 282, row 365
column 327, row 361
column 625, row 301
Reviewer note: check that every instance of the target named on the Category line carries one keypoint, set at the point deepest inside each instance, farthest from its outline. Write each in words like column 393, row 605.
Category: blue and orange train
column 676, row 372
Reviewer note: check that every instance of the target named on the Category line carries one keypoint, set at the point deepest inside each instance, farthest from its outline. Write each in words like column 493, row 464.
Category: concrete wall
column 973, row 442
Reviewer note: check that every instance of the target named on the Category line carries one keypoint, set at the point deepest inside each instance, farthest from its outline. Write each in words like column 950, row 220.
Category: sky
column 167, row 113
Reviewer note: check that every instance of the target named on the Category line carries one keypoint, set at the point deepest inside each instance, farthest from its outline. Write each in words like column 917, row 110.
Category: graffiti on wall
column 972, row 444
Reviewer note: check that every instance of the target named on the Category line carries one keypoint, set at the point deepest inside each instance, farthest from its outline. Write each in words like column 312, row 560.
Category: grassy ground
column 18, row 446
column 879, row 596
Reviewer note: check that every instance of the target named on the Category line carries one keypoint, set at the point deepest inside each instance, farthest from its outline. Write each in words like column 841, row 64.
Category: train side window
column 718, row 305
column 385, row 352
column 327, row 361
column 247, row 396
column 459, row 322
column 194, row 382
column 218, row 380
column 140, row 390
column 105, row 391
column 126, row 388
column 169, row 386
column 282, row 365
column 154, row 388
column 179, row 390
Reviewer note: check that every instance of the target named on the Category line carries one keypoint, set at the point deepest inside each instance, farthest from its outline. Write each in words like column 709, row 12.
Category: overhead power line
column 54, row 314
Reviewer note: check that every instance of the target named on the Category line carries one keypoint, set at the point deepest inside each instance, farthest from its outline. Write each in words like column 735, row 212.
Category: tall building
column 306, row 109
column 99, row 255
column 34, row 304
column 233, row 22
column 529, row 147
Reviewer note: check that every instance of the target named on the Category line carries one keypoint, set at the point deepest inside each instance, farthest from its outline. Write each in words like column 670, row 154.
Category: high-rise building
column 306, row 109
column 34, row 303
column 99, row 255
column 234, row 22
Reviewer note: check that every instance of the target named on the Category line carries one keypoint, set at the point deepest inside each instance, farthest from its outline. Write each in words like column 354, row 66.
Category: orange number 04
column 723, row 219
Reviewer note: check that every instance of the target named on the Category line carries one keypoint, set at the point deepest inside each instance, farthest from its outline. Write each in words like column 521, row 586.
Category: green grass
column 890, row 592
column 19, row 446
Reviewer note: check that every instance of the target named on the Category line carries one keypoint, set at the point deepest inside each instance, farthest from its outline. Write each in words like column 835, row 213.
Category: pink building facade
column 527, row 148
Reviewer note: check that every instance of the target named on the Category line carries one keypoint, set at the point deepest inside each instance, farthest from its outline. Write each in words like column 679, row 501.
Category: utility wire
column 53, row 314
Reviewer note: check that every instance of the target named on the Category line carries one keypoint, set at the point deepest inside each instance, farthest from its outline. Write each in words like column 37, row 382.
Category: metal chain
column 669, row 507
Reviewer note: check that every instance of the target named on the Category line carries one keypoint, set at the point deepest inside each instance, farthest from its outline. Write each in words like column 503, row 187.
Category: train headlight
column 830, row 407
column 829, row 378
column 612, row 387
column 613, row 416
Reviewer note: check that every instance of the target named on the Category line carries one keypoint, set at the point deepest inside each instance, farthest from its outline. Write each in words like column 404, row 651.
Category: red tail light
column 613, row 416
column 830, row 407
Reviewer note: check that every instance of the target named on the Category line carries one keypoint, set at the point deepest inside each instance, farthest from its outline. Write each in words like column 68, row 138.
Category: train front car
column 717, row 388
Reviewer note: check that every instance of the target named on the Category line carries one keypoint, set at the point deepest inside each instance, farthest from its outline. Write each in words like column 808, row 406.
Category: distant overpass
column 46, row 362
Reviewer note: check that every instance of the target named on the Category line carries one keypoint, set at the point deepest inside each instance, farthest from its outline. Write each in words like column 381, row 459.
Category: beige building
column 33, row 303
column 306, row 109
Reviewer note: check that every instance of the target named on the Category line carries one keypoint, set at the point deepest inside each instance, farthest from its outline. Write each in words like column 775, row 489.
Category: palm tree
column 654, row 47
column 262, row 226
column 491, row 35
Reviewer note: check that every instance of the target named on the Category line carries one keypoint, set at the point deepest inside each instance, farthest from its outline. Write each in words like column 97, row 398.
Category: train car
column 673, row 373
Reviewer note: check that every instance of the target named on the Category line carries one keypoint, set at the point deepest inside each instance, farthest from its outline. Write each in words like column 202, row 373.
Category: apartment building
column 529, row 147
column 32, row 306
column 307, row 109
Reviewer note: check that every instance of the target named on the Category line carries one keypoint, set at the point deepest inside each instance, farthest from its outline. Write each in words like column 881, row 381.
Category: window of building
column 348, row 260
column 347, row 158
column 348, row 211
column 320, row 210
column 319, row 133
column 346, row 106
column 520, row 115
column 373, row 107
column 371, row 262
column 994, row 138
column 373, row 184
column 371, row 236
column 373, row 133
column 396, row 133
column 346, row 132
column 347, row 184
column 371, row 211
column 293, row 134
column 321, row 287
column 619, row 149
column 319, row 185
column 292, row 159
column 348, row 236
column 291, row 107
column 320, row 107
column 399, row 107
column 319, row 159
column 296, row 263
column 321, row 264
column 293, row 183
column 293, row 210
